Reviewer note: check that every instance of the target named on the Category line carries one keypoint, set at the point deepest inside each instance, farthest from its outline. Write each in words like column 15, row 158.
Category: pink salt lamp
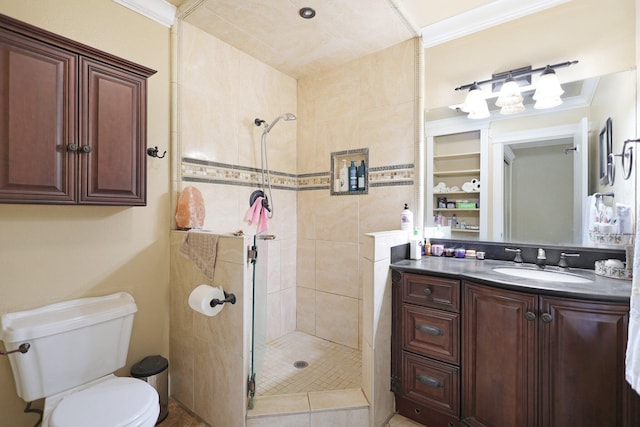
column 190, row 210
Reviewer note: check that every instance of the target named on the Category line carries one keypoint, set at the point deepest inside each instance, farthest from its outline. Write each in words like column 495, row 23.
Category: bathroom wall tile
column 273, row 265
column 341, row 133
column 274, row 316
column 337, row 318
column 337, row 399
column 181, row 371
column 384, row 400
column 366, row 280
column 277, row 404
column 360, row 323
column 381, row 283
column 284, row 215
column 221, row 207
column 387, row 218
column 233, row 249
column 377, row 89
column 307, row 204
column 367, row 371
column 288, row 310
column 218, row 370
column 377, row 246
column 388, row 131
column 337, row 218
column 306, row 265
column 306, row 310
column 336, row 268
column 343, row 418
column 288, row 264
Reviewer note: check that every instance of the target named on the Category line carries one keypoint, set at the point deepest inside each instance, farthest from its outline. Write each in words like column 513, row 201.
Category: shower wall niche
column 340, row 158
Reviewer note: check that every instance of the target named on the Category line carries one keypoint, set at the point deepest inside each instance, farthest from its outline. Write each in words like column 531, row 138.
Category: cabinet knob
column 72, row 147
column 429, row 381
column 546, row 317
column 428, row 329
column 85, row 149
column 427, row 291
column 530, row 315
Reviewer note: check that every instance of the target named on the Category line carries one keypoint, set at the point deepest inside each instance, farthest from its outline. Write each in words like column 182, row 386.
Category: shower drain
column 300, row 364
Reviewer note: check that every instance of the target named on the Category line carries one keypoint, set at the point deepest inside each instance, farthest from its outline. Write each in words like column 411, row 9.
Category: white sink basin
column 546, row 275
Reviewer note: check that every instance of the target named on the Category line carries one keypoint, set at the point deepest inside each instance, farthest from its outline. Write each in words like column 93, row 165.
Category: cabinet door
column 37, row 121
column 499, row 358
column 582, row 363
column 113, row 135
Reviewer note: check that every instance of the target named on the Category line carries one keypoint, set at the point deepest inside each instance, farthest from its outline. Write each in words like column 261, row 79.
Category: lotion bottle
column 406, row 219
column 344, row 176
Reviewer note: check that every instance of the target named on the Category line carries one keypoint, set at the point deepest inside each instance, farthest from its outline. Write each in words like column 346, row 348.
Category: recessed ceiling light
column 307, row 12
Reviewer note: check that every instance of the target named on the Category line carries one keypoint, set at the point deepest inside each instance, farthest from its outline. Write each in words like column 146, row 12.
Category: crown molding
column 481, row 18
column 160, row 11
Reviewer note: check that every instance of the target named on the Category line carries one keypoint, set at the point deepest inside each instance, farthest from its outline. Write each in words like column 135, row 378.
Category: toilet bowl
column 110, row 402
column 74, row 347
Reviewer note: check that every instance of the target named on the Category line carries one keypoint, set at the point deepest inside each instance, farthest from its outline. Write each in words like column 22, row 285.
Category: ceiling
column 273, row 32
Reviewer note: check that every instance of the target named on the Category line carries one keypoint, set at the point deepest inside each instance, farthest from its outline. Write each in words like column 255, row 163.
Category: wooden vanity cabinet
column 426, row 348
column 72, row 121
column 534, row 360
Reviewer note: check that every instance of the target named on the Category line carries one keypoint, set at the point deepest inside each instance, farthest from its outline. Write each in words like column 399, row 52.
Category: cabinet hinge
column 395, row 384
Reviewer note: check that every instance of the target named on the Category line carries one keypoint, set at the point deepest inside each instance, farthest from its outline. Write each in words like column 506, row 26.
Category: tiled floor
column 331, row 366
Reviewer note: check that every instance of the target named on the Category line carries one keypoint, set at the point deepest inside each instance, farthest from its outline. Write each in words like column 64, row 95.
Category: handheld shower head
column 267, row 127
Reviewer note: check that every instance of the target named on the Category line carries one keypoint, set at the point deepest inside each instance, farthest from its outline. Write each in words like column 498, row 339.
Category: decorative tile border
column 196, row 170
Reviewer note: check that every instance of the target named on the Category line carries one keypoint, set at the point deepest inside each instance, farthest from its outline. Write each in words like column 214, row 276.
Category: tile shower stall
column 210, row 356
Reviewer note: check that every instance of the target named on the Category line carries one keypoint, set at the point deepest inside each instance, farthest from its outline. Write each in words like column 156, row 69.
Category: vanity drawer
column 430, row 291
column 433, row 333
column 430, row 383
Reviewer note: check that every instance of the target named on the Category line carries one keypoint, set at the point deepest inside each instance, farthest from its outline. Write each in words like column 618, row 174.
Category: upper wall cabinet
column 72, row 121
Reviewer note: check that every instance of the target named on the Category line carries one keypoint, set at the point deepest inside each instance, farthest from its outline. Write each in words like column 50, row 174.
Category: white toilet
column 75, row 346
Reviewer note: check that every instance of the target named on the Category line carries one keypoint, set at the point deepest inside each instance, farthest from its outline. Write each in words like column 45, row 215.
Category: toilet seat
column 116, row 402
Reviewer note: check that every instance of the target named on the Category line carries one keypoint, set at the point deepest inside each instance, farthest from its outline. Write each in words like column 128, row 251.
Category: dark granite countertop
column 600, row 288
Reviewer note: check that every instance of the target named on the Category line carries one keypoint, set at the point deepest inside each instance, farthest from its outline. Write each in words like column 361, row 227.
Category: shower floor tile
column 331, row 366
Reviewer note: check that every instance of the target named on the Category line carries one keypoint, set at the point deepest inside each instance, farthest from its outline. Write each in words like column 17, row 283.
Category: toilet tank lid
column 64, row 316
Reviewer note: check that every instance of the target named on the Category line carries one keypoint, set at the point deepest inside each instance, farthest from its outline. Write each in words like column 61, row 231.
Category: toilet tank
column 72, row 343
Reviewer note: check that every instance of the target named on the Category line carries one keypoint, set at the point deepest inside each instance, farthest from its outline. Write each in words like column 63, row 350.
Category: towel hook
column 153, row 152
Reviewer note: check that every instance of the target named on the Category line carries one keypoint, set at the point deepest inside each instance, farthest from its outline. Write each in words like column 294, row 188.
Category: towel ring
column 627, row 157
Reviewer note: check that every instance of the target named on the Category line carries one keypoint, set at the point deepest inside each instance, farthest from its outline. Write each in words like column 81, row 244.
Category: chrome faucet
column 563, row 259
column 541, row 259
column 518, row 257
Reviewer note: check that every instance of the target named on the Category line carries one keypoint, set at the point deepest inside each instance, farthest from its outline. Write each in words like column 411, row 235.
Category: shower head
column 267, row 127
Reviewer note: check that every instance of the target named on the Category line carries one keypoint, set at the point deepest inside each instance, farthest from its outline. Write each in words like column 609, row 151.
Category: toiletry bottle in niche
column 361, row 174
column 353, row 177
column 344, row 176
column 454, row 221
column 406, row 219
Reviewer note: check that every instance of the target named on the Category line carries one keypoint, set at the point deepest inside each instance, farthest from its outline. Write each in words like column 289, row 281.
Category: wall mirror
column 544, row 163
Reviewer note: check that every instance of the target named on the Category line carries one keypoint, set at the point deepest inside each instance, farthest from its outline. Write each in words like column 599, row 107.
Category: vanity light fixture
column 510, row 99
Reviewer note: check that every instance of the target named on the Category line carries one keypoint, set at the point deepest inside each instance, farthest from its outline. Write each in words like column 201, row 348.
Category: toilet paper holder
column 231, row 298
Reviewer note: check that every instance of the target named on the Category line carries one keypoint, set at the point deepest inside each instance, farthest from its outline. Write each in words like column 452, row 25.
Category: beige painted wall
column 599, row 34
column 55, row 253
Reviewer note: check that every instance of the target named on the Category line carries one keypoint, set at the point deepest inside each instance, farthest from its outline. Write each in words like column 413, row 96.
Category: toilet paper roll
column 200, row 299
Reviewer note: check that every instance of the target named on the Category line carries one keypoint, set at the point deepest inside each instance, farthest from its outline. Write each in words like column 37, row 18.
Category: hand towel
column 257, row 214
column 632, row 362
column 201, row 248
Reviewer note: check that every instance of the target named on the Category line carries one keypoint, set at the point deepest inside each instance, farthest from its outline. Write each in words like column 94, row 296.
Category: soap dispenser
column 406, row 219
